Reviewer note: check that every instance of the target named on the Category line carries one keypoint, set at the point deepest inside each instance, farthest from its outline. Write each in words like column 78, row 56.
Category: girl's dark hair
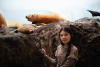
column 66, row 29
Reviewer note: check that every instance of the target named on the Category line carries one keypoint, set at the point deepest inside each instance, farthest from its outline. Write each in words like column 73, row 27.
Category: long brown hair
column 66, row 29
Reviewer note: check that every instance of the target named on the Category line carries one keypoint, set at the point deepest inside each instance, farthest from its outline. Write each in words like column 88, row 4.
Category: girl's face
column 65, row 37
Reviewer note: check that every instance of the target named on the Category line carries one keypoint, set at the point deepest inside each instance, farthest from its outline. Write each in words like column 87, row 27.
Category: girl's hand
column 44, row 52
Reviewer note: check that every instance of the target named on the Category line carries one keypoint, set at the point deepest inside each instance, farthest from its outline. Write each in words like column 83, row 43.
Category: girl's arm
column 49, row 58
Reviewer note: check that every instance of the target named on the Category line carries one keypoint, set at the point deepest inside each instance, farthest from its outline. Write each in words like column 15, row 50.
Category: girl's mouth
column 64, row 40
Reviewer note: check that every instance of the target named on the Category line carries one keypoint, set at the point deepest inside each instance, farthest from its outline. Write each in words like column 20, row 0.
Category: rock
column 18, row 49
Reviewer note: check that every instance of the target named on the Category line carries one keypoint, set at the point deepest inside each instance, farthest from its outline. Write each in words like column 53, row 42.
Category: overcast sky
column 70, row 9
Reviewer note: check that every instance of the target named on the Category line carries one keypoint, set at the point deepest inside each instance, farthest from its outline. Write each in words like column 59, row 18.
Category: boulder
column 18, row 49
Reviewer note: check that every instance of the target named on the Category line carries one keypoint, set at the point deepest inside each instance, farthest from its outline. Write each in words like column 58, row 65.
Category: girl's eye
column 61, row 35
column 66, row 34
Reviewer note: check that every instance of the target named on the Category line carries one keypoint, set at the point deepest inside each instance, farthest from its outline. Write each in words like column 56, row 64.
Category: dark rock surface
column 17, row 49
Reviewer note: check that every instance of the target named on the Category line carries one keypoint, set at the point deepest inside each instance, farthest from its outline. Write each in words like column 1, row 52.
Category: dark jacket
column 62, row 60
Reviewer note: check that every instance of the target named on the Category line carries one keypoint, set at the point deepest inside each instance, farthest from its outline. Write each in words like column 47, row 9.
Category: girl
column 66, row 53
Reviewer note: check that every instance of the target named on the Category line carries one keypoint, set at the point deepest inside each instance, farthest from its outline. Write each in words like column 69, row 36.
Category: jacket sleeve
column 51, row 59
column 71, row 59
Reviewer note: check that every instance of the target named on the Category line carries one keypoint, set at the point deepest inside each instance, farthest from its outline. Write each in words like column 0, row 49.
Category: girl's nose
column 63, row 37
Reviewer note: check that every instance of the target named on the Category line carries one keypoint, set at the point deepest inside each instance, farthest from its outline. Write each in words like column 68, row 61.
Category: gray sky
column 70, row 9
